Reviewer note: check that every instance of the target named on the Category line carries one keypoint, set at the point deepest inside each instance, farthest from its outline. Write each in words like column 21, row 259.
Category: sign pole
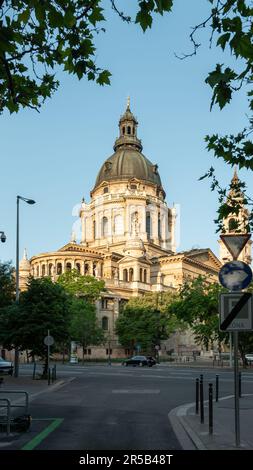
column 48, row 353
column 230, row 351
column 236, row 384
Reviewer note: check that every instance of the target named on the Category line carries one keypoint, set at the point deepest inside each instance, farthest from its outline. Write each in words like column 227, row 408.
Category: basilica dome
column 128, row 162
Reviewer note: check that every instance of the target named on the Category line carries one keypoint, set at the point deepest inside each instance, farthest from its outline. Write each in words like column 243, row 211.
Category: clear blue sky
column 54, row 157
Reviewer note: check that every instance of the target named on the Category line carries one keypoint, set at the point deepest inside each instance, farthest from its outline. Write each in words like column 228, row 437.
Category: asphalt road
column 110, row 408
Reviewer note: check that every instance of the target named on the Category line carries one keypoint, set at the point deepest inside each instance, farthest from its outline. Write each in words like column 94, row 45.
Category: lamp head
column 30, row 201
column 3, row 237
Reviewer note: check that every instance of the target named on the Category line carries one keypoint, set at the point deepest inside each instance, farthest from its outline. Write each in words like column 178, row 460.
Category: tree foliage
column 44, row 306
column 7, row 284
column 84, row 327
column 87, row 287
column 39, row 36
column 146, row 321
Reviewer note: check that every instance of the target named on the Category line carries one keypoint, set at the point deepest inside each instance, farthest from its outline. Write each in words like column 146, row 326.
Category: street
column 113, row 407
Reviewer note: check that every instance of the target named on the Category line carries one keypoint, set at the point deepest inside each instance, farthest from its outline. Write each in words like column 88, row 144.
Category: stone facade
column 127, row 237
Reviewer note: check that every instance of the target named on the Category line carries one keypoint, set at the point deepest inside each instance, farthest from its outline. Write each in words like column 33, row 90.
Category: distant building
column 127, row 237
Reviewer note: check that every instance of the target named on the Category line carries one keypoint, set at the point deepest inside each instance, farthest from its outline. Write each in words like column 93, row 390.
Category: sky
column 54, row 156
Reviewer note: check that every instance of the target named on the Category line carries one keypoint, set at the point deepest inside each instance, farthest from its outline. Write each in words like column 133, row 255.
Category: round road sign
column 235, row 275
column 48, row 340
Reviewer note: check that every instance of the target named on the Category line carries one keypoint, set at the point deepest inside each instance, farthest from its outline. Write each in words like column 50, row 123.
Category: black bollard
column 197, row 396
column 201, row 386
column 210, row 403
column 240, row 385
column 217, row 388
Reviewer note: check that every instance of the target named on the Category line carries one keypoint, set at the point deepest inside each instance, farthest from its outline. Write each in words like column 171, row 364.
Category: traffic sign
column 235, row 243
column 48, row 340
column 236, row 312
column 235, row 275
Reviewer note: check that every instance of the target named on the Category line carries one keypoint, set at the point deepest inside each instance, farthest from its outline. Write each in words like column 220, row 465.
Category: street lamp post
column 28, row 201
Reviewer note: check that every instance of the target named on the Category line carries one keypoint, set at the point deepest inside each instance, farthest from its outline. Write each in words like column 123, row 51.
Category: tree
column 83, row 327
column 36, row 36
column 44, row 306
column 87, row 287
column 146, row 321
column 7, row 284
column 197, row 306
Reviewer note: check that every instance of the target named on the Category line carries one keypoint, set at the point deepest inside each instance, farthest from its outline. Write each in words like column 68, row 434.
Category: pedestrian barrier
column 9, row 422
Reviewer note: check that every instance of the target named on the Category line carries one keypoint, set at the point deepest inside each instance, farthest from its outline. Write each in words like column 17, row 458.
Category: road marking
column 136, row 391
column 42, row 435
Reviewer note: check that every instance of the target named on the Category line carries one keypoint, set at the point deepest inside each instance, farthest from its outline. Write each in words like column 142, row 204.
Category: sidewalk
column 193, row 435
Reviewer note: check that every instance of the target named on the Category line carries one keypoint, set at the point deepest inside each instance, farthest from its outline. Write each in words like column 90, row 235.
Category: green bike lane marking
column 43, row 434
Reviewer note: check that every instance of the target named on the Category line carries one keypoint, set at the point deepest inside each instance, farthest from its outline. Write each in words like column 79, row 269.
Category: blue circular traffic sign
column 235, row 275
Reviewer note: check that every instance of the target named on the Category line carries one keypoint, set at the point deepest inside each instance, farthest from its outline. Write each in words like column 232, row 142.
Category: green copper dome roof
column 128, row 162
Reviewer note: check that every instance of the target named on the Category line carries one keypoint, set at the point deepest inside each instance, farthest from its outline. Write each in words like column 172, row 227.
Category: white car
column 6, row 366
column 249, row 358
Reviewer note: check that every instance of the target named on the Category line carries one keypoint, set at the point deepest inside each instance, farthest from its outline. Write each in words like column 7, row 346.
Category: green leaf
column 222, row 41
column 104, row 78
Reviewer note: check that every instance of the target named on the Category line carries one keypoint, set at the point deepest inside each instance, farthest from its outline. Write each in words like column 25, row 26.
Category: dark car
column 6, row 366
column 140, row 361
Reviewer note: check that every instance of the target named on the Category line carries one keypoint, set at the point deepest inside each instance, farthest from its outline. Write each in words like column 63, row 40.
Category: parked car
column 249, row 358
column 139, row 361
column 6, row 366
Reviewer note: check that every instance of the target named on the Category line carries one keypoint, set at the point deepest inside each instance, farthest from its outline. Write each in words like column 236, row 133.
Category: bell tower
column 236, row 224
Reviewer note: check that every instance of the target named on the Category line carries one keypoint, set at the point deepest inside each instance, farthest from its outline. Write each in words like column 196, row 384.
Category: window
column 145, row 275
column 148, row 224
column 118, row 225
column 232, row 225
column 133, row 186
column 159, row 226
column 127, row 352
column 43, row 270
column 38, row 271
column 105, row 323
column 104, row 304
column 87, row 351
column 59, row 268
column 78, row 267
column 86, row 268
column 125, row 275
column 104, row 227
column 108, row 351
column 50, row 269
column 94, row 269
column 68, row 267
column 124, row 130
column 141, row 274
column 94, row 230
column 128, row 130
column 106, row 190
column 131, row 275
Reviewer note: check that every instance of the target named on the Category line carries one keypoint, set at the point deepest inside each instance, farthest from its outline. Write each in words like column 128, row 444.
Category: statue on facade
column 135, row 224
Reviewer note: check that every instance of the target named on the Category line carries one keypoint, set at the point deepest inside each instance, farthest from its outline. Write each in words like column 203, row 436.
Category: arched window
column 94, row 230
column 68, row 267
column 232, row 225
column 118, row 225
column 141, row 274
column 131, row 275
column 128, row 130
column 38, row 271
column 159, row 226
column 104, row 227
column 106, row 190
column 86, row 268
column 59, row 268
column 78, row 267
column 125, row 275
column 124, row 130
column 148, row 225
column 43, row 270
column 105, row 323
column 50, row 269
column 94, row 270
column 145, row 276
